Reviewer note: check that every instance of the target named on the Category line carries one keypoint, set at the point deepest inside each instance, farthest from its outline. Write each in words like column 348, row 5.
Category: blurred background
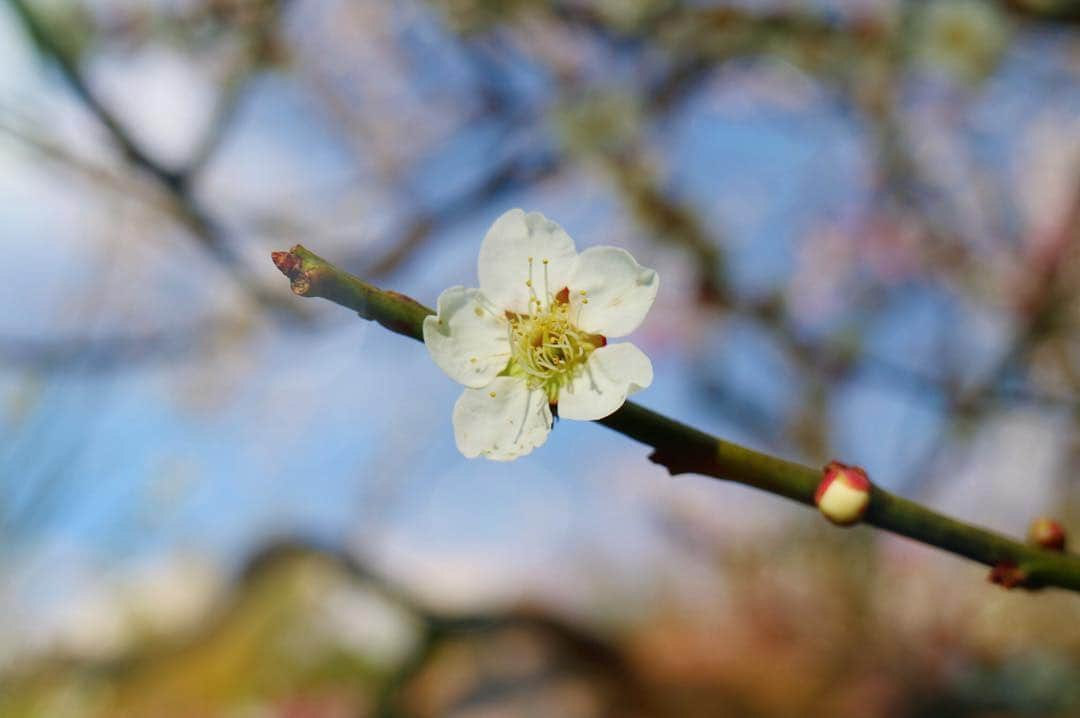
column 217, row 499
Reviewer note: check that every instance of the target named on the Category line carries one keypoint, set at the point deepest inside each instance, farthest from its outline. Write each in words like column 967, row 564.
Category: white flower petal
column 466, row 338
column 504, row 266
column 610, row 375
column 502, row 421
column 618, row 289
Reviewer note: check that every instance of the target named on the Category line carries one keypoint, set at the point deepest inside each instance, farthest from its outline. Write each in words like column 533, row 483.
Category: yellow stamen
column 546, row 348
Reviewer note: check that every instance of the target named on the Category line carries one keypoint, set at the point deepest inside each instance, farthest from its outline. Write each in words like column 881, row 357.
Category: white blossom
column 532, row 341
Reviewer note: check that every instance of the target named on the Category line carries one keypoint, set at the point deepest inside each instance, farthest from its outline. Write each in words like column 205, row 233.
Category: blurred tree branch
column 109, row 352
column 176, row 183
column 1053, row 11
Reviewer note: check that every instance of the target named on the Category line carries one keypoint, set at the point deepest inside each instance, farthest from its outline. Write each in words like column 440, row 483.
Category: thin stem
column 684, row 449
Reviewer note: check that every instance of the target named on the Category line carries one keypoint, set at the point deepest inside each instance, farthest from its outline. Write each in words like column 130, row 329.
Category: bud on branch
column 1047, row 533
column 843, row 494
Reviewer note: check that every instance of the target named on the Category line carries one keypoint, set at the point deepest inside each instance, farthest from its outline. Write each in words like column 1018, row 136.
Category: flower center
column 546, row 348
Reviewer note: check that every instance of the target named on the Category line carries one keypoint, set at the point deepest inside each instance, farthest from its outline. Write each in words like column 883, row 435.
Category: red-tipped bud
column 287, row 262
column 843, row 494
column 1047, row 533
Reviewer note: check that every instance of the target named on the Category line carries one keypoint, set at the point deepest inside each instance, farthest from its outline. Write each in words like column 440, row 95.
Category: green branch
column 684, row 449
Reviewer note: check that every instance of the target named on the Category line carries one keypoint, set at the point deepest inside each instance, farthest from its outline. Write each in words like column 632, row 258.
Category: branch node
column 676, row 462
column 1008, row 575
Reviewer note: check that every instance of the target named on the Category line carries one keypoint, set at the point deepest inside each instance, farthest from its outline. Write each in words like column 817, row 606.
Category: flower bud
column 1047, row 533
column 843, row 494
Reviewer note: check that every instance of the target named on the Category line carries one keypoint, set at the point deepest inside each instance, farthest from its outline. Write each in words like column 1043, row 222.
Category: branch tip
column 287, row 262
column 291, row 264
